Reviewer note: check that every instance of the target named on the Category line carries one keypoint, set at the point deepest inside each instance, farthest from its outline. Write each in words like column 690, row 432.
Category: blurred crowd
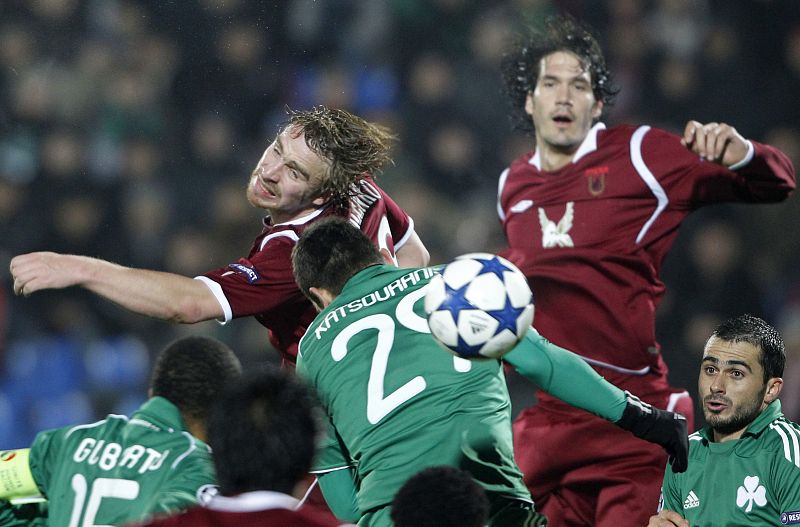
column 128, row 129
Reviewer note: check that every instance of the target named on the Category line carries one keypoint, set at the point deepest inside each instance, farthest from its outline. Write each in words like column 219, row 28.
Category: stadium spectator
column 421, row 406
column 589, row 216
column 123, row 469
column 440, row 496
column 264, row 432
column 744, row 465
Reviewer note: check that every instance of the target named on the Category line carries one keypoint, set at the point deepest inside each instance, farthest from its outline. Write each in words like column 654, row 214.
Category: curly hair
column 354, row 147
column 520, row 67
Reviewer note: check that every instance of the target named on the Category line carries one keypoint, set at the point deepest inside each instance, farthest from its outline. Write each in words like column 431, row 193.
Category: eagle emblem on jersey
column 557, row 234
column 596, row 180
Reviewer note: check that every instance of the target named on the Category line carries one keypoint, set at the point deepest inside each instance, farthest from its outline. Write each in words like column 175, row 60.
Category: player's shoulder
column 781, row 436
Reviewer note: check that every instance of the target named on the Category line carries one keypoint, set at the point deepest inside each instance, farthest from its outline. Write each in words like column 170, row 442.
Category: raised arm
column 165, row 296
column 565, row 375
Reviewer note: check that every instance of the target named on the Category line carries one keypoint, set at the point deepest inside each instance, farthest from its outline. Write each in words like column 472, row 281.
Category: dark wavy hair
column 354, row 147
column 520, row 66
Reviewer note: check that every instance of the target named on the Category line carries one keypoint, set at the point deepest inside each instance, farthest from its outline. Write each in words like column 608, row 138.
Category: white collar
column 298, row 221
column 588, row 146
column 258, row 500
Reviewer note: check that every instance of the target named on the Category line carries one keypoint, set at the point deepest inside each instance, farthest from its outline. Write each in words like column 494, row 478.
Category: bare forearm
column 413, row 253
column 156, row 294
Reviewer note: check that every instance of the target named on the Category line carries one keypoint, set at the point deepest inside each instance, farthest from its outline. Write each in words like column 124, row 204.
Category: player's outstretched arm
column 565, row 375
column 166, row 296
column 413, row 253
column 667, row 518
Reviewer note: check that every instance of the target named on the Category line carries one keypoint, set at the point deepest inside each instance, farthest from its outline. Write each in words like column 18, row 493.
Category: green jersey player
column 744, row 465
column 398, row 403
column 122, row 469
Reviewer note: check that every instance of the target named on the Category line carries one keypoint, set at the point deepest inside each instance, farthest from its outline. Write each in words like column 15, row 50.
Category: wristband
column 16, row 479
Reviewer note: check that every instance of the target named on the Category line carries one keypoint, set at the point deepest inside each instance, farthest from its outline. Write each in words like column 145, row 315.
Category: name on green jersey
column 109, row 455
column 385, row 293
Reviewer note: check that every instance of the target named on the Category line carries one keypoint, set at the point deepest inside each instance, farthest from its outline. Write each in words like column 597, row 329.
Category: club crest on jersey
column 596, row 179
column 247, row 271
column 750, row 493
column 557, row 234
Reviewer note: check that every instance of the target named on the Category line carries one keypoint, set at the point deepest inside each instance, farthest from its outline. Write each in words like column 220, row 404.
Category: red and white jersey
column 591, row 237
column 251, row 509
column 262, row 285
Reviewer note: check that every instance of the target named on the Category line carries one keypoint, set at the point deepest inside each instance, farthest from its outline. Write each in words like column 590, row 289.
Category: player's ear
column 387, row 257
column 324, row 296
column 774, row 387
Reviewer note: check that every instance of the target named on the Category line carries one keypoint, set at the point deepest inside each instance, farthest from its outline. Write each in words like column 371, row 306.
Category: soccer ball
column 479, row 306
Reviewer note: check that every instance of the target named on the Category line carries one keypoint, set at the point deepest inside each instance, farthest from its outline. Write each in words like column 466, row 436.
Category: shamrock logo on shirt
column 751, row 492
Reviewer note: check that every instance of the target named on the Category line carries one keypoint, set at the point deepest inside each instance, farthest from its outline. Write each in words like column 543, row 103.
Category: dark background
column 128, row 130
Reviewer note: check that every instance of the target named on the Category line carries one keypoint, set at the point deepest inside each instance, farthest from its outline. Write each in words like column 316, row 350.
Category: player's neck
column 552, row 159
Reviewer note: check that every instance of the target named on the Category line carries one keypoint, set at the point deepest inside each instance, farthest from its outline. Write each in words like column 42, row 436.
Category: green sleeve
column 339, row 489
column 566, row 376
column 671, row 499
column 189, row 483
column 787, row 481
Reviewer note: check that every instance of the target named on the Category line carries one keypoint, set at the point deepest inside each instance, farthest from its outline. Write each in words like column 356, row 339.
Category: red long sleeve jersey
column 262, row 285
column 591, row 237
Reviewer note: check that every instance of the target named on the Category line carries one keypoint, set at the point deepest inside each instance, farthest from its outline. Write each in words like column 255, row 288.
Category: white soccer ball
column 479, row 306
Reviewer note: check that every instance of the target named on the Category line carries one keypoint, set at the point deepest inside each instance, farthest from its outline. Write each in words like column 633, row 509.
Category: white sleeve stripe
column 790, row 452
column 287, row 234
column 648, row 177
column 216, row 290
column 326, row 470
column 793, row 434
column 500, row 185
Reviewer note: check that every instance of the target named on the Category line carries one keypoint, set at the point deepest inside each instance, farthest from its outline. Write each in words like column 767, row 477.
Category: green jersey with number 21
column 398, row 402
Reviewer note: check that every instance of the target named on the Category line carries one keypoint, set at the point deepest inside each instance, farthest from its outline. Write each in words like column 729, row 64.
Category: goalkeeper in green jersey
column 398, row 403
column 744, row 465
column 124, row 469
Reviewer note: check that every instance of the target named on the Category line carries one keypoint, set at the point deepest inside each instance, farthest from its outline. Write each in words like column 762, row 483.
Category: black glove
column 664, row 428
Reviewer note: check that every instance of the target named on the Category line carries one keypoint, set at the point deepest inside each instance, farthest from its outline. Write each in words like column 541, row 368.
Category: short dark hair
column 355, row 148
column 520, row 66
column 329, row 253
column 263, row 432
column 755, row 331
column 191, row 372
column 441, row 496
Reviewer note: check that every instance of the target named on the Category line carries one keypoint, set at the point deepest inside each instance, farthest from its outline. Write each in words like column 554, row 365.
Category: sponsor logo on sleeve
column 790, row 518
column 249, row 273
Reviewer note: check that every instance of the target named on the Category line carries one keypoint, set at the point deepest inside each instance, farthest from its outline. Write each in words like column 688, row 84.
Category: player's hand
column 716, row 142
column 664, row 428
column 667, row 518
column 44, row 270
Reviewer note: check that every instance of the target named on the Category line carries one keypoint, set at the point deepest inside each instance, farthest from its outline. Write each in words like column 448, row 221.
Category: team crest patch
column 596, row 180
column 248, row 272
column 790, row 518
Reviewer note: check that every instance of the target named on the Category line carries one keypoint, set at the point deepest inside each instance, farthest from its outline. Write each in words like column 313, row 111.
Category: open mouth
column 715, row 405
column 562, row 120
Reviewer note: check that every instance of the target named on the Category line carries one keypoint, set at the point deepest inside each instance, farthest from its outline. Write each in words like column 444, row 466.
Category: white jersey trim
column 286, row 234
column 751, row 151
column 791, row 441
column 259, row 500
column 500, row 184
column 192, row 447
column 216, row 290
column 399, row 244
column 649, row 179
column 674, row 398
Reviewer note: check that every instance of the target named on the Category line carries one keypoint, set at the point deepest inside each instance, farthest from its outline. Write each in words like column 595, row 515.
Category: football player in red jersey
column 589, row 215
column 320, row 164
